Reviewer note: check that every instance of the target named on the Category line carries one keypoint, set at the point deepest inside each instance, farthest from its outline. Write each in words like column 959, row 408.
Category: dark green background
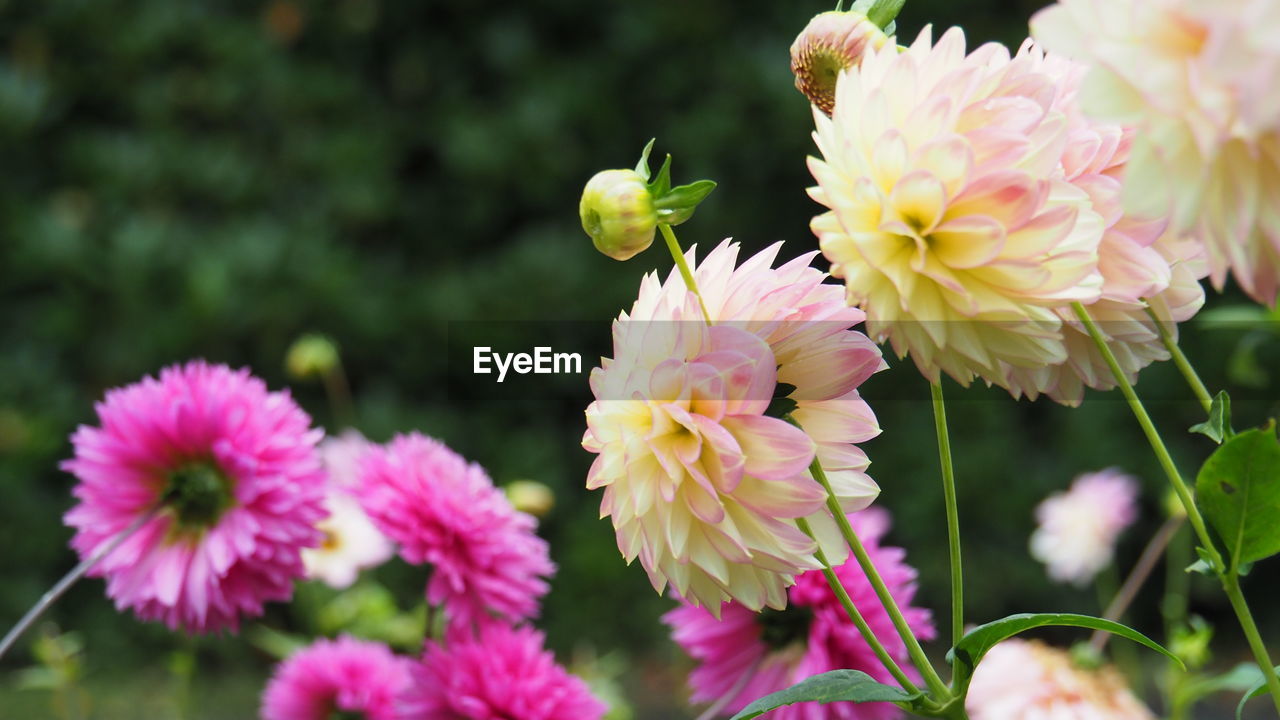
column 212, row 179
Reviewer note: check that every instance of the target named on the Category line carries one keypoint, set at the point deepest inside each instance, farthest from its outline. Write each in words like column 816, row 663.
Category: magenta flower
column 504, row 673
column 813, row 635
column 337, row 676
column 486, row 558
column 232, row 473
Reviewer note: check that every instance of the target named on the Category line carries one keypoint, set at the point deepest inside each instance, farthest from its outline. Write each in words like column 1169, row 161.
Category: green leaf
column 642, row 167
column 882, row 12
column 661, row 184
column 677, row 204
column 1238, row 489
column 1218, row 426
column 967, row 653
column 1232, row 317
column 1240, row 678
column 829, row 687
column 1259, row 688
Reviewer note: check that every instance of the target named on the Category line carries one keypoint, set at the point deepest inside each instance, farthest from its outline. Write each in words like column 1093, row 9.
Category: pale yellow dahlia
column 951, row 221
column 703, row 479
column 1198, row 80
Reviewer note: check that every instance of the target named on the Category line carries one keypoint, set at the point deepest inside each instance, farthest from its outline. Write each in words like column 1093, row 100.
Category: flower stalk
column 674, row 246
column 1180, row 360
column 953, row 515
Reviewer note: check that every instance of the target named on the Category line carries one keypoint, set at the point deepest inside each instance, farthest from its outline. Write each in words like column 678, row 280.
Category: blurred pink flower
column 1197, row 81
column 701, row 484
column 503, row 673
column 485, row 557
column 951, row 221
column 346, row 675
column 233, row 471
column 1078, row 528
column 813, row 635
column 1021, row 680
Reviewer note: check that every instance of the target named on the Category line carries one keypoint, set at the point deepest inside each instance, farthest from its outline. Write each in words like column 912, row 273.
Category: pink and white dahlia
column 949, row 218
column 347, row 677
column 778, row 648
column 1027, row 680
column 1141, row 263
column 1078, row 528
column 486, row 557
column 503, row 673
column 351, row 541
column 1197, row 82
column 702, row 481
column 224, row 477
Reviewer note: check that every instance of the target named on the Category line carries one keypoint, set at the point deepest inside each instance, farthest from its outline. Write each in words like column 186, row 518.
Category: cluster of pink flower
column 218, row 488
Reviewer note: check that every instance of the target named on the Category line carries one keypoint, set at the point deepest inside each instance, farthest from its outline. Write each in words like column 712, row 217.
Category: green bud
column 311, row 356
column 617, row 212
column 530, row 496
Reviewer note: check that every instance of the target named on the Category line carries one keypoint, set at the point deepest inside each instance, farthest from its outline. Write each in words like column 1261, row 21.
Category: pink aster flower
column 337, row 676
column 777, row 649
column 1078, row 528
column 700, row 482
column 232, row 475
column 485, row 557
column 1197, row 81
column 503, row 673
column 1021, row 680
column 950, row 219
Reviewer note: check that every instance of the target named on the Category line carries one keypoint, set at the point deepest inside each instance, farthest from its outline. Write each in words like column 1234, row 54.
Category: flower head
column 503, row 673
column 832, row 41
column 617, row 211
column 950, row 219
column 1021, row 680
column 1078, row 529
column 486, row 558
column 351, row 542
column 812, row 635
column 1197, row 81
column 231, row 472
column 701, row 481
column 337, row 676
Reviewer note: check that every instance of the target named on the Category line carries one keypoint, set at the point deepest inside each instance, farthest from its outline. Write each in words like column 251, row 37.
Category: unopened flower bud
column 831, row 42
column 617, row 211
column 530, row 496
column 311, row 356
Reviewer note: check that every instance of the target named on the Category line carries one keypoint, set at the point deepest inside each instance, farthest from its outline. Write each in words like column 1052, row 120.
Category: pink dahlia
column 702, row 480
column 503, row 673
column 776, row 649
column 1197, row 80
column 486, row 558
column 1078, row 528
column 348, row 676
column 231, row 472
column 949, row 218
column 1021, row 680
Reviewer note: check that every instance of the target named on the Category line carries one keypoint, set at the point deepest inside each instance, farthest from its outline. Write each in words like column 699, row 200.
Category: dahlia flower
column 831, row 42
column 503, row 673
column 1197, row 81
column 1078, row 528
column 351, row 542
column 1027, row 680
column 485, row 556
column 950, row 220
column 329, row 677
column 700, row 482
column 777, row 649
column 227, row 473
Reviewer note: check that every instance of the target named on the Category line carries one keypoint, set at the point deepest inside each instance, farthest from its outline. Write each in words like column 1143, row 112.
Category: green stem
column 1231, row 583
column 918, row 658
column 838, row 588
column 1153, row 437
column 953, row 515
column 1180, row 359
column 1228, row 576
column 674, row 246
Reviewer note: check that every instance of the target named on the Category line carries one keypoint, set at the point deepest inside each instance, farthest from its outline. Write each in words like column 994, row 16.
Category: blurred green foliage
column 216, row 179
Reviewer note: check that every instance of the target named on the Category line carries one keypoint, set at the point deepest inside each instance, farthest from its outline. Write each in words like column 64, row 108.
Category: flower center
column 198, row 493
column 781, row 628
